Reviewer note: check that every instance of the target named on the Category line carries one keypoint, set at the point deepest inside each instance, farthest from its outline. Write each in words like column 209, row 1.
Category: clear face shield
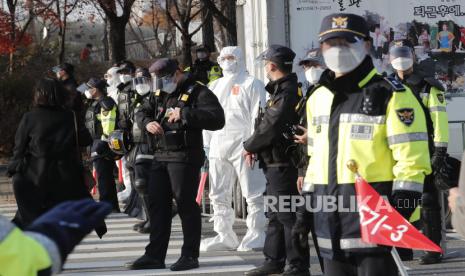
column 401, row 58
column 142, row 85
column 167, row 83
column 86, row 90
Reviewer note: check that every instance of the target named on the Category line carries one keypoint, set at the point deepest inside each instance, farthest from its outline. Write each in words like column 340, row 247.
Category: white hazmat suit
column 240, row 95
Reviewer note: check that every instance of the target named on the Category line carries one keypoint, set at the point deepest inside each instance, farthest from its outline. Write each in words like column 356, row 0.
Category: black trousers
column 181, row 181
column 281, row 181
column 106, row 181
column 379, row 264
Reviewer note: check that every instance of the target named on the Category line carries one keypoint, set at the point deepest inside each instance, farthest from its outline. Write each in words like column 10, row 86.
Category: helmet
column 120, row 142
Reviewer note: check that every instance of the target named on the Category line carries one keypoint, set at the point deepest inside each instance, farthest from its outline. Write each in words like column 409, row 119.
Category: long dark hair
column 49, row 93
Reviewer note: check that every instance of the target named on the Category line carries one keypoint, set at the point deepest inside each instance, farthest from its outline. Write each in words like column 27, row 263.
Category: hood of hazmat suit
column 112, row 78
column 240, row 95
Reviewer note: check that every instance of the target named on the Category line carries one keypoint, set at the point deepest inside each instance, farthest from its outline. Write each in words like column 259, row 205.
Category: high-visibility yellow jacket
column 26, row 253
column 381, row 125
column 431, row 93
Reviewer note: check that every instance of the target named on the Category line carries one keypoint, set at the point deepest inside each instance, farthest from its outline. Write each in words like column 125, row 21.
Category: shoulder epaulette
column 434, row 83
column 395, row 84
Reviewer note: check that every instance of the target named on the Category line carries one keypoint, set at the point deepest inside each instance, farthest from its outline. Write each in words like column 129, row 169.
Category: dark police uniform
column 101, row 121
column 381, row 125
column 205, row 71
column 272, row 148
column 177, row 160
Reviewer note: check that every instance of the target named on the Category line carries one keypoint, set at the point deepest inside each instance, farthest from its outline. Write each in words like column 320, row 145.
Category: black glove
column 405, row 202
column 69, row 222
column 301, row 227
column 438, row 159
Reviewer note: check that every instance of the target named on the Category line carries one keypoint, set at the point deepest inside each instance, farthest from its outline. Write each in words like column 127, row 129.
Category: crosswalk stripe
column 213, row 270
column 120, row 263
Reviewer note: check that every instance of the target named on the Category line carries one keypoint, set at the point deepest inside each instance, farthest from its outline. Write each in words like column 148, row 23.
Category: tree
column 14, row 25
column 226, row 16
column 118, row 24
column 185, row 11
column 63, row 9
column 163, row 30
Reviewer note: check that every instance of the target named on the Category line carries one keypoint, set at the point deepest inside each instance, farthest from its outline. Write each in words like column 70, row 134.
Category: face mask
column 142, row 89
column 229, row 66
column 202, row 55
column 402, row 63
column 125, row 78
column 88, row 94
column 313, row 74
column 343, row 59
column 169, row 87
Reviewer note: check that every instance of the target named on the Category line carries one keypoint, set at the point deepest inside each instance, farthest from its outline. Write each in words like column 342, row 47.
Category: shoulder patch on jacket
column 406, row 115
column 440, row 97
column 395, row 84
column 434, row 83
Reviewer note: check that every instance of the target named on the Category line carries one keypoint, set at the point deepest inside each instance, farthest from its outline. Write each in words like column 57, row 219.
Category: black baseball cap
column 203, row 48
column 344, row 25
column 67, row 67
column 278, row 54
column 164, row 67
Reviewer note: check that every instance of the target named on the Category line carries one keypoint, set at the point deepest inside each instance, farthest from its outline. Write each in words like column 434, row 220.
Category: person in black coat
column 73, row 99
column 45, row 166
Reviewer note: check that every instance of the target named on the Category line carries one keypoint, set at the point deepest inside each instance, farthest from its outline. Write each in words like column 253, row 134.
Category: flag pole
column 352, row 165
column 398, row 260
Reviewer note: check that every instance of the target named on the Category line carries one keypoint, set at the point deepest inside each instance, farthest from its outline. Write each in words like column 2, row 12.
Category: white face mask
column 169, row 87
column 402, row 63
column 229, row 66
column 343, row 59
column 313, row 74
column 125, row 78
column 142, row 89
column 88, row 94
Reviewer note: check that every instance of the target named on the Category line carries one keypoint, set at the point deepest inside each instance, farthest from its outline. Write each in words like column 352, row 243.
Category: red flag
column 380, row 223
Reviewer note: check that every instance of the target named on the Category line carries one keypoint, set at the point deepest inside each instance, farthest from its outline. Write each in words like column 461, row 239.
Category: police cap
column 203, row 48
column 344, row 25
column 164, row 67
column 142, row 72
column 401, row 43
column 278, row 54
column 313, row 56
column 97, row 83
column 126, row 67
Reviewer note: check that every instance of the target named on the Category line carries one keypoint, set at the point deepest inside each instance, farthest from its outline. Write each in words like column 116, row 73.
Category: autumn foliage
column 7, row 43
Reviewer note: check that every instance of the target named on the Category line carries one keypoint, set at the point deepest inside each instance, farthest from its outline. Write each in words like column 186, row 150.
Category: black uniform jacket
column 268, row 140
column 202, row 111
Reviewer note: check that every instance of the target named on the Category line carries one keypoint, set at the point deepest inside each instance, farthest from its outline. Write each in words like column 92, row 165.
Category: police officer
column 126, row 97
column 313, row 66
column 430, row 92
column 356, row 114
column 141, row 156
column 101, row 121
column 204, row 70
column 269, row 143
column 65, row 74
column 175, row 115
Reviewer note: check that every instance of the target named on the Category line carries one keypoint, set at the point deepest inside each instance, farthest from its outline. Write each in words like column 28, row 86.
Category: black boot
column 145, row 262
column 267, row 268
column 145, row 229
column 293, row 270
column 185, row 263
column 138, row 226
column 432, row 229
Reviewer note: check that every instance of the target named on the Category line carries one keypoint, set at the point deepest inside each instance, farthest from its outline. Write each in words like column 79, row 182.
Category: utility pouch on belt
column 173, row 140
